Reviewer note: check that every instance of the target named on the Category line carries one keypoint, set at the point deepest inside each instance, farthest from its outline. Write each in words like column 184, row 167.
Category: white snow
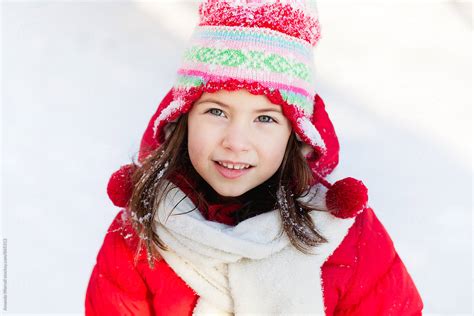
column 167, row 112
column 309, row 130
column 80, row 81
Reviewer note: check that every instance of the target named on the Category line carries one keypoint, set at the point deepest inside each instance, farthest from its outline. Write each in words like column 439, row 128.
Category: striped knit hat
column 265, row 47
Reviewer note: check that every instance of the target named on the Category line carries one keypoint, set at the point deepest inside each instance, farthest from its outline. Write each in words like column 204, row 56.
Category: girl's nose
column 236, row 137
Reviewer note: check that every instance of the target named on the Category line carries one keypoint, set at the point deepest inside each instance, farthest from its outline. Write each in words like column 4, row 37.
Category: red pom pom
column 120, row 185
column 347, row 197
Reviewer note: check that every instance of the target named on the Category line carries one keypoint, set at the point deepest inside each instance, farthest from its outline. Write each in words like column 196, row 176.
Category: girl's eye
column 214, row 111
column 267, row 119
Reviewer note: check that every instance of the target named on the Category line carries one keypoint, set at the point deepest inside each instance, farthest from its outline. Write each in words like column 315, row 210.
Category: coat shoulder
column 115, row 286
column 122, row 280
column 370, row 276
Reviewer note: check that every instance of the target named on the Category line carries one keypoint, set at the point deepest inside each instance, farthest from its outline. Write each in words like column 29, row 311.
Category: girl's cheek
column 205, row 133
column 274, row 138
column 275, row 132
column 213, row 126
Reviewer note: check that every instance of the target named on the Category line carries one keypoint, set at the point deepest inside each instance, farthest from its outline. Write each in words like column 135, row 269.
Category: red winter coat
column 364, row 276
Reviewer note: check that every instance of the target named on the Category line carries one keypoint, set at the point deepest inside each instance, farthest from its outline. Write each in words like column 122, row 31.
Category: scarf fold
column 250, row 268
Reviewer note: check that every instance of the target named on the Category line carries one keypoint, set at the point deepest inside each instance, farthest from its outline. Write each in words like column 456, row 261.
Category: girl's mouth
column 231, row 173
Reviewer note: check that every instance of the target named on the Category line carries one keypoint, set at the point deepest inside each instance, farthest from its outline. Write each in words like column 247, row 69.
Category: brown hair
column 282, row 190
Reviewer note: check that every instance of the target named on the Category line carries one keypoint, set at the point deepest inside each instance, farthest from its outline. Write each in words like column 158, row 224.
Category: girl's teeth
column 231, row 166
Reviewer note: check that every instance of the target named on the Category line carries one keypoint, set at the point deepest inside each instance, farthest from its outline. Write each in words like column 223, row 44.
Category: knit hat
column 265, row 47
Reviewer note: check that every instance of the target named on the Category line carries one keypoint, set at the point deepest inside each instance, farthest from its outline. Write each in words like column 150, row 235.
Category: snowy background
column 80, row 81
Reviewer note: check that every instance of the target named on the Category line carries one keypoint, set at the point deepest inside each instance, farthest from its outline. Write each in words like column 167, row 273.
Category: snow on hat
column 265, row 47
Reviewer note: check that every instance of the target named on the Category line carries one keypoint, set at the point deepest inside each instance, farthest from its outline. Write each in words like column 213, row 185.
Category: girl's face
column 236, row 128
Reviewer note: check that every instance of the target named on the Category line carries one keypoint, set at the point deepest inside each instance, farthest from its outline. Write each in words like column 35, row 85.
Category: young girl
column 227, row 210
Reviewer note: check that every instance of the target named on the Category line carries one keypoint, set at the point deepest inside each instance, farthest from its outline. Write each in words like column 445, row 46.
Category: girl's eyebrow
column 272, row 109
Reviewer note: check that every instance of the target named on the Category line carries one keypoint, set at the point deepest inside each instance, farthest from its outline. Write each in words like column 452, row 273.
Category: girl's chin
column 229, row 190
column 229, row 193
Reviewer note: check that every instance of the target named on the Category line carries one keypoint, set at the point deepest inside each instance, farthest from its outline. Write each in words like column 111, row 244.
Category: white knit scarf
column 249, row 268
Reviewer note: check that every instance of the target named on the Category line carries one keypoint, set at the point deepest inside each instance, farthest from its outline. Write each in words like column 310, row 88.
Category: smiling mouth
column 231, row 166
column 231, row 173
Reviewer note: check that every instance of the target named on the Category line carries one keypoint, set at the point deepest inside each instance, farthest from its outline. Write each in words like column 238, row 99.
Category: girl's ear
column 305, row 149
